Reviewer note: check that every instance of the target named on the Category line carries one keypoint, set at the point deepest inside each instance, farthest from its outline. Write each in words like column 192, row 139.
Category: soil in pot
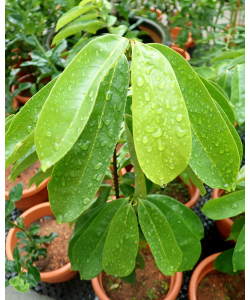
column 24, row 177
column 175, row 189
column 150, row 282
column 221, row 286
column 57, row 251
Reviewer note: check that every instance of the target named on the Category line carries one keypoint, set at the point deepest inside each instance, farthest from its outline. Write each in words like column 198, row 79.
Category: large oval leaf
column 225, row 207
column 77, row 177
column 23, row 125
column 160, row 237
column 213, row 145
column 87, row 250
column 71, row 101
column 161, row 125
column 186, row 226
column 121, row 244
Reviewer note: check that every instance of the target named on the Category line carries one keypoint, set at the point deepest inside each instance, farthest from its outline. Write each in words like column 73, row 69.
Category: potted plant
column 75, row 141
column 28, row 260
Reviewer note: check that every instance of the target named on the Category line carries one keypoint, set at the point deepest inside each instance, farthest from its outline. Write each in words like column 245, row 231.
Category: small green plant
column 165, row 287
column 28, row 248
column 151, row 293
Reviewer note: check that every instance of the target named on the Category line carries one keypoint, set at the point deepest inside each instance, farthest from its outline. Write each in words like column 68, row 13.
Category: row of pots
column 64, row 273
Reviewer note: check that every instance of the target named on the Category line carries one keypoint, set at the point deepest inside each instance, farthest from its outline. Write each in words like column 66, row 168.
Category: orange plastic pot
column 32, row 196
column 174, row 288
column 223, row 226
column 62, row 274
column 194, row 193
column 205, row 267
column 182, row 52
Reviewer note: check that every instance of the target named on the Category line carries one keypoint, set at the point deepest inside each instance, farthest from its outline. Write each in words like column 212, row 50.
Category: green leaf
column 223, row 262
column 226, row 206
column 121, row 245
column 131, row 278
column 16, row 253
column 79, row 25
column 120, row 30
column 140, row 185
column 34, row 229
column 103, row 196
column 111, row 21
column 213, row 145
column 72, row 14
column 236, row 229
column 88, row 247
column 182, row 219
column 16, row 19
column 160, row 116
column 225, row 81
column 220, row 99
column 160, row 237
column 40, row 176
column 205, row 72
column 8, row 121
column 238, row 93
column 9, row 206
column 83, row 2
column 126, row 189
column 221, row 91
column 196, row 180
column 86, row 163
column 23, row 163
column 239, row 252
column 32, row 270
column 53, row 141
column 20, row 135
column 16, row 192
column 19, row 285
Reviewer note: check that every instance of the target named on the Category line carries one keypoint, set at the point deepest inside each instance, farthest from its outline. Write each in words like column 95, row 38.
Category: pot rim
column 33, row 190
column 20, row 98
column 187, row 55
column 203, row 268
column 174, row 288
column 11, row 233
column 216, row 194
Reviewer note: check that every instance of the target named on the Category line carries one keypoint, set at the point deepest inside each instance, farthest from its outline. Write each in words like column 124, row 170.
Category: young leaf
column 160, row 237
column 236, row 229
column 238, row 93
column 16, row 253
column 23, row 125
column 9, row 206
column 23, row 163
column 214, row 146
column 239, row 252
column 19, row 285
column 182, row 219
column 121, row 245
column 76, row 89
column 196, row 180
column 88, row 247
column 40, row 176
column 226, row 206
column 126, row 189
column 223, row 262
column 82, row 170
column 160, row 117
column 220, row 99
column 15, row 193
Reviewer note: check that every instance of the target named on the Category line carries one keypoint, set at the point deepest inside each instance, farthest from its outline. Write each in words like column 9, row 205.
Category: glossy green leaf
column 239, row 252
column 121, row 244
column 196, row 180
column 88, row 248
column 205, row 72
column 140, row 185
column 213, row 145
column 226, row 206
column 72, row 14
column 79, row 25
column 160, row 237
column 126, row 190
column 40, row 176
column 220, row 99
column 229, row 54
column 238, row 93
column 223, row 262
column 131, row 278
column 221, row 91
column 225, row 81
column 77, row 177
column 103, row 196
column 20, row 135
column 83, row 2
column 76, row 89
column 9, row 206
column 120, row 30
column 8, row 121
column 23, row 163
column 16, row 192
column 236, row 229
column 161, row 125
column 182, row 219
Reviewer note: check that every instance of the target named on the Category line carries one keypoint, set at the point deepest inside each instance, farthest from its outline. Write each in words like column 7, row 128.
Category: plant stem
column 44, row 53
column 115, row 175
column 235, row 20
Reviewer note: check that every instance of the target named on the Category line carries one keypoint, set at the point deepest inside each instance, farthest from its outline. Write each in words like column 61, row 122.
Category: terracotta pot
column 205, row 267
column 20, row 98
column 32, row 196
column 194, row 193
column 182, row 52
column 223, row 226
column 62, row 274
column 175, row 33
column 174, row 288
